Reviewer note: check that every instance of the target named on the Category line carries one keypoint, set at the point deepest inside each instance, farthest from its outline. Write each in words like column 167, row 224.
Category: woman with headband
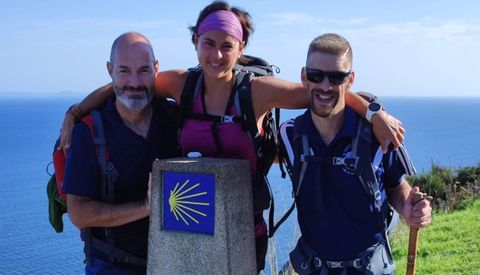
column 220, row 37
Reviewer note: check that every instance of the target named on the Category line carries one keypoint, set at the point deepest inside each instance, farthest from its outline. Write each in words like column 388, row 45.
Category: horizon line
column 66, row 94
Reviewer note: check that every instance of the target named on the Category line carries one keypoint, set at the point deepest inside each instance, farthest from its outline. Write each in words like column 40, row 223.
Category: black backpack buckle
column 350, row 163
column 226, row 119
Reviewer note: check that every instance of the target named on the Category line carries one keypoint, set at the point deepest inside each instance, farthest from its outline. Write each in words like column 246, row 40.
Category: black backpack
column 360, row 163
column 264, row 141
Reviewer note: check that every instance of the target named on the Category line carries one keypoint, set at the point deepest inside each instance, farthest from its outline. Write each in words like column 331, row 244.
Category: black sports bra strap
column 202, row 98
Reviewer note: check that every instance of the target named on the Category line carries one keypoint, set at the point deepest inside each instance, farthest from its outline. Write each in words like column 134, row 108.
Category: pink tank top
column 196, row 136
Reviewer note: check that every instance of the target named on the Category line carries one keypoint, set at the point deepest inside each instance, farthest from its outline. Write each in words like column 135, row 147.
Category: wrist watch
column 373, row 108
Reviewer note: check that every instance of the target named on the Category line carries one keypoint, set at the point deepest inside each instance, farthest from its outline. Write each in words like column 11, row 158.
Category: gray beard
column 136, row 104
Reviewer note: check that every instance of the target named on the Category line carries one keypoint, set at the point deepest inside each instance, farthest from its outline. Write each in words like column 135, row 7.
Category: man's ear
column 351, row 79
column 303, row 77
column 110, row 68
column 156, row 66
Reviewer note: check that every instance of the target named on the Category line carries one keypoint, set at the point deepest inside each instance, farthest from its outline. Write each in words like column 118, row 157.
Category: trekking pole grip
column 413, row 238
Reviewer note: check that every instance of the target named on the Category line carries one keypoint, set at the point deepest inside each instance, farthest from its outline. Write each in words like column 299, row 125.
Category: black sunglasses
column 335, row 77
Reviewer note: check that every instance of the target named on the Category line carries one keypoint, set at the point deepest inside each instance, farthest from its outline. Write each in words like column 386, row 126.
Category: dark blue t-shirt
column 132, row 156
column 335, row 214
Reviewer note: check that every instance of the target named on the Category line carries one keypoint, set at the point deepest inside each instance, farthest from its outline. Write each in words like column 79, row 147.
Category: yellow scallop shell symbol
column 181, row 204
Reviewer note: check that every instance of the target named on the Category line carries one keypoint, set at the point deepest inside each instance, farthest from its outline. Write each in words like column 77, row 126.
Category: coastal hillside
column 451, row 245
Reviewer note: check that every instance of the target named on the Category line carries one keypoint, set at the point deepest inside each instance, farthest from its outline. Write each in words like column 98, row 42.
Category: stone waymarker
column 201, row 219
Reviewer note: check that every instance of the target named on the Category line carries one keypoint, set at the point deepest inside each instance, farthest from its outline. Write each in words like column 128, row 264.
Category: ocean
column 444, row 131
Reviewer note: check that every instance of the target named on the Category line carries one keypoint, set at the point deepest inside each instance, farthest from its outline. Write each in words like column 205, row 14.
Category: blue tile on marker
column 189, row 202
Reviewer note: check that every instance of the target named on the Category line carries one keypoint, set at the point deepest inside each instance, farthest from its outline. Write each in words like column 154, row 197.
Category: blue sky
column 401, row 48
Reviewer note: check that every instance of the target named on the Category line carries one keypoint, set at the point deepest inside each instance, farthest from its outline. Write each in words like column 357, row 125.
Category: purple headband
column 222, row 20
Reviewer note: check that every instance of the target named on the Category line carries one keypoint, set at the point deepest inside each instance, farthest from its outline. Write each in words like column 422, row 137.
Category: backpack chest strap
column 350, row 163
column 224, row 119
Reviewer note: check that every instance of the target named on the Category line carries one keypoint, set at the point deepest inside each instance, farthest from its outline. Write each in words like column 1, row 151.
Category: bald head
column 132, row 67
column 127, row 39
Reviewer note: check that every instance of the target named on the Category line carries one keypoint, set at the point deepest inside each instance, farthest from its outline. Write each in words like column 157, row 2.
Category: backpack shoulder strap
column 298, row 145
column 361, row 147
column 253, row 66
column 190, row 90
column 244, row 105
column 95, row 125
column 107, row 169
column 302, row 154
column 100, row 142
column 285, row 143
column 304, row 145
column 108, row 174
column 243, row 102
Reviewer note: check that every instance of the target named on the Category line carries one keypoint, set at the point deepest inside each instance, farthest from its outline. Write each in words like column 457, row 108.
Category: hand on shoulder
column 387, row 129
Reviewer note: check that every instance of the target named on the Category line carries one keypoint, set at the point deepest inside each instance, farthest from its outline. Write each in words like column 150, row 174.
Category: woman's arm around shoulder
column 271, row 92
column 93, row 101
column 170, row 84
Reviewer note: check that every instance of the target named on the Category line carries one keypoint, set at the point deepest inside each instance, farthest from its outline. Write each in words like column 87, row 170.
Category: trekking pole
column 413, row 238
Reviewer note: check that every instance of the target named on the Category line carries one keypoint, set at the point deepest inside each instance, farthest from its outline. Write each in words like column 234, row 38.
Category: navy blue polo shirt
column 132, row 156
column 335, row 214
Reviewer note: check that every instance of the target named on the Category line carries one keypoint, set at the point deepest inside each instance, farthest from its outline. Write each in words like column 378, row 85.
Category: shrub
column 468, row 176
column 451, row 189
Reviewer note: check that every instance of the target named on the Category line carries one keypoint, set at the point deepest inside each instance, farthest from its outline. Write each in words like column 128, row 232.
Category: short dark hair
column 331, row 43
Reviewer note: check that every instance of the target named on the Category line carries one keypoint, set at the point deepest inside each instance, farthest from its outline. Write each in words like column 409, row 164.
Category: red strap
column 59, row 159
column 59, row 165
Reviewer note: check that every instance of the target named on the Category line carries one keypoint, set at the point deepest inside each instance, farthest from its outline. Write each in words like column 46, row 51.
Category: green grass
column 450, row 245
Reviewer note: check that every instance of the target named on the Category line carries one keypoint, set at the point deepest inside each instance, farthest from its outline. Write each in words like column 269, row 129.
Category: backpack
column 360, row 164
column 107, row 175
column 264, row 141
column 56, row 198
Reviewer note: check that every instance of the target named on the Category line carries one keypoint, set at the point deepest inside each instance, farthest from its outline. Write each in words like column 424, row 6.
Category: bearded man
column 137, row 130
column 342, row 197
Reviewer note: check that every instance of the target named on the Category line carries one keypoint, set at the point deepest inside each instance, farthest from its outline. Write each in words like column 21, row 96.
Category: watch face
column 374, row 107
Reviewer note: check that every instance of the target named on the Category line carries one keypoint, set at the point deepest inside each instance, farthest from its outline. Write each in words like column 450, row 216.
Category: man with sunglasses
column 341, row 211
